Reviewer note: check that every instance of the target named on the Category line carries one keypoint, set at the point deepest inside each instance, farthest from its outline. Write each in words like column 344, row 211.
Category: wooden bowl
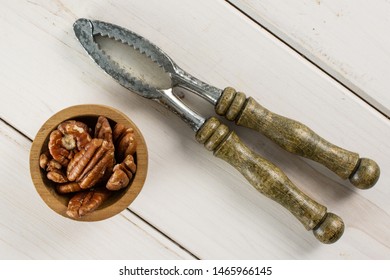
column 88, row 114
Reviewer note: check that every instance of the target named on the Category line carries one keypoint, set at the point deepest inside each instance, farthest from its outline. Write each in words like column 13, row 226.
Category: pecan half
column 124, row 139
column 70, row 136
column 89, row 165
column 56, row 149
column 85, row 202
column 75, row 133
column 53, row 165
column 103, row 129
column 119, row 129
column 122, row 174
column 53, row 168
column 44, row 160
column 57, row 176
column 68, row 188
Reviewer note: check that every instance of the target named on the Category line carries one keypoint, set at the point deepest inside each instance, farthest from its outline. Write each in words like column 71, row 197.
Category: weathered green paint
column 367, row 174
column 225, row 100
column 236, row 106
column 297, row 138
column 330, row 230
column 269, row 180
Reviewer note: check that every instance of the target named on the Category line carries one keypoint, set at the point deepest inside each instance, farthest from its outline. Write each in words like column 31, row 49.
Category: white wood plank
column 194, row 198
column 348, row 39
column 31, row 230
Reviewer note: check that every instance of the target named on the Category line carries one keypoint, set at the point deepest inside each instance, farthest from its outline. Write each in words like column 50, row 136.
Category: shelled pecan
column 69, row 187
column 90, row 164
column 53, row 168
column 103, row 129
column 44, row 160
column 69, row 137
column 57, row 176
column 124, row 140
column 75, row 133
column 57, row 150
column 85, row 202
column 122, row 174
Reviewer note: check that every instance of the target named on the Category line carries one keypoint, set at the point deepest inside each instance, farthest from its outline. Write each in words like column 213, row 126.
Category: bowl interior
column 88, row 114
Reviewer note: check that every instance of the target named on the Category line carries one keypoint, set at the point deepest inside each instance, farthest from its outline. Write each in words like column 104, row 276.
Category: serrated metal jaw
column 145, row 85
column 86, row 30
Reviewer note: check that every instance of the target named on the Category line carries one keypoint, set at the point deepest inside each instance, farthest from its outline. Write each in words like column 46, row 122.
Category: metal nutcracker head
column 86, row 31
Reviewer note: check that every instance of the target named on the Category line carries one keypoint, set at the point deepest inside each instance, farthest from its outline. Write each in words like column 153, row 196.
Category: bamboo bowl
column 88, row 114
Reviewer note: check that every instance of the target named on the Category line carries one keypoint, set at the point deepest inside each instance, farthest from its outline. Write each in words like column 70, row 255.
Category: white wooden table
column 324, row 63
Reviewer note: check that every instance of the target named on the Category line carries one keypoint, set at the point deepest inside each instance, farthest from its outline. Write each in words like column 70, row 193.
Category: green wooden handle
column 297, row 138
column 270, row 180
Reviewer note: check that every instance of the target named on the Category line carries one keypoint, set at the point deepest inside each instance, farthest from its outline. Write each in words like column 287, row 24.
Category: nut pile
column 91, row 164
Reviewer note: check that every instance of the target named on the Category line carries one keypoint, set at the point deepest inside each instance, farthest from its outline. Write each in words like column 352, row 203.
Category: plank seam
column 166, row 236
column 17, row 130
column 306, row 58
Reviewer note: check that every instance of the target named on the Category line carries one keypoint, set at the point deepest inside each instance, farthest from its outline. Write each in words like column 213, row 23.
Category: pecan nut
column 125, row 141
column 57, row 150
column 53, row 168
column 122, row 174
column 57, row 176
column 44, row 160
column 70, row 187
column 75, row 133
column 90, row 164
column 86, row 202
column 69, row 137
column 103, row 129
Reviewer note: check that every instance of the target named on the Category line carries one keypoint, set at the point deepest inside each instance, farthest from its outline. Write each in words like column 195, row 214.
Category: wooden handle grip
column 270, row 180
column 297, row 138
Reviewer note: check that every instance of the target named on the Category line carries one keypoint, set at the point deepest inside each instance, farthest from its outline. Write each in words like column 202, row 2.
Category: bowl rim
column 48, row 193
